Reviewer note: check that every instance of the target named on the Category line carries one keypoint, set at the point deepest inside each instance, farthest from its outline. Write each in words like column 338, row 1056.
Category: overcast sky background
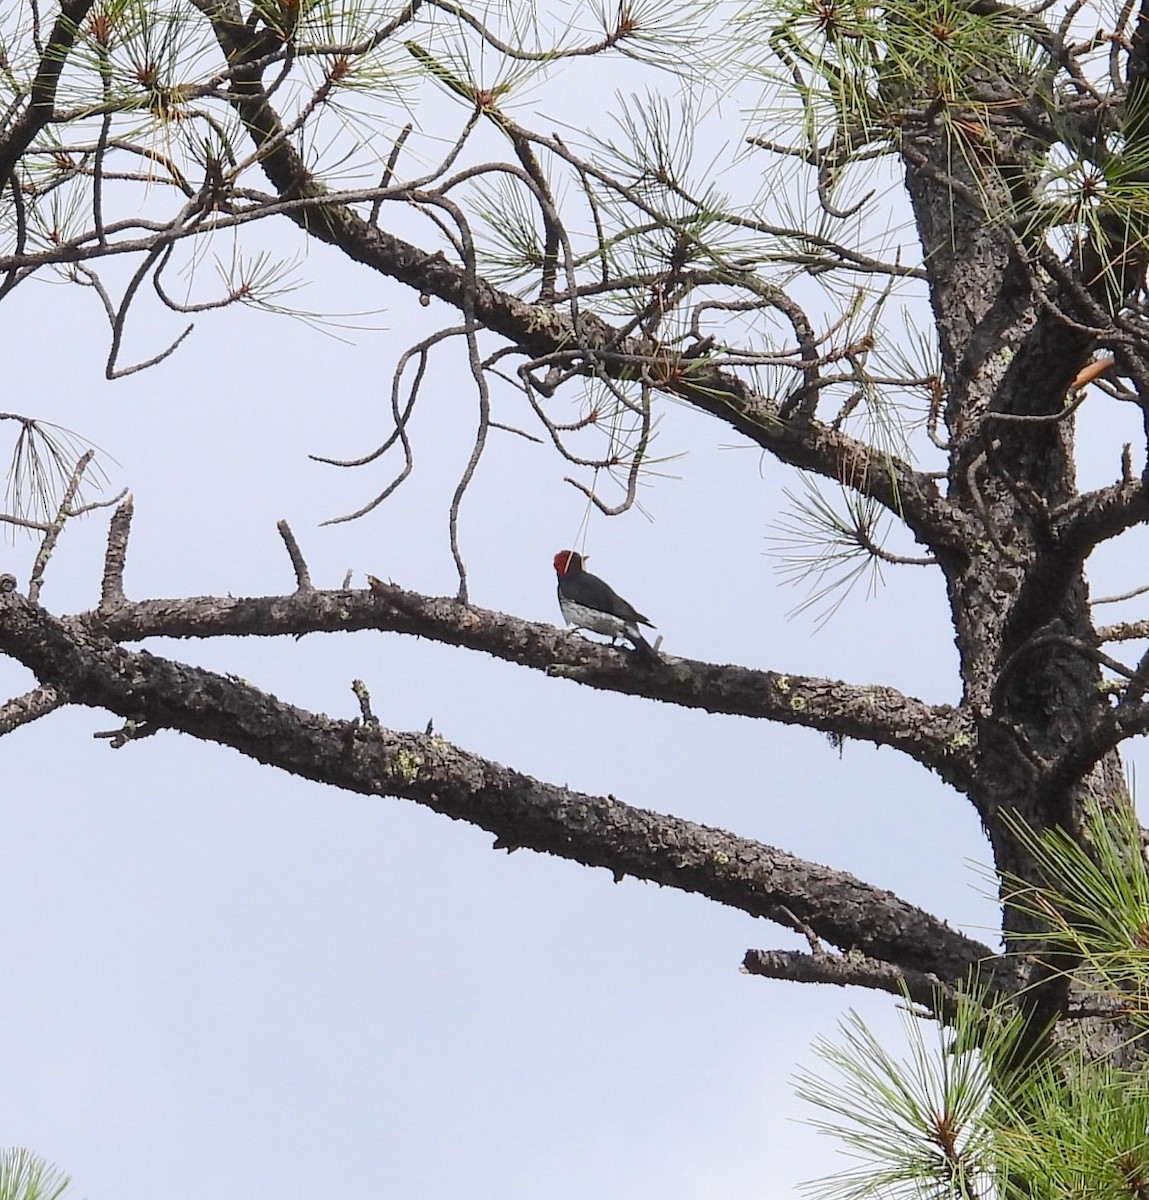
column 224, row 981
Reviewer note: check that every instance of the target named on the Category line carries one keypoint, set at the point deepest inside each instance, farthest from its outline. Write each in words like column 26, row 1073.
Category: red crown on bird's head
column 567, row 560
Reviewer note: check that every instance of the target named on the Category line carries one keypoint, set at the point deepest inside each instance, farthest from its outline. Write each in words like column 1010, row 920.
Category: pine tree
column 592, row 279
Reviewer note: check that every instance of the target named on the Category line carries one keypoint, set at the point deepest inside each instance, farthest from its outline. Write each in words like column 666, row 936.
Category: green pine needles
column 975, row 1108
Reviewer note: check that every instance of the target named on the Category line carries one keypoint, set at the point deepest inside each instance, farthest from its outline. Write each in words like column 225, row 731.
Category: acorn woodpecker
column 589, row 603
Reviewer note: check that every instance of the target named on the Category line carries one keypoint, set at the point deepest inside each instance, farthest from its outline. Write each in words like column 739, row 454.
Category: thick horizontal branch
column 152, row 693
column 938, row 736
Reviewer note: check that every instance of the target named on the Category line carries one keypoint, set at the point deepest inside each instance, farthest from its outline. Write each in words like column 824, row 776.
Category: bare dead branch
column 846, row 970
column 24, row 523
column 119, row 530
column 938, row 736
column 1039, row 418
column 1094, row 517
column 400, row 417
column 389, row 170
column 474, row 361
column 112, row 371
column 364, row 698
column 80, row 510
column 156, row 692
column 1105, row 733
column 817, row 950
column 13, row 274
column 132, row 730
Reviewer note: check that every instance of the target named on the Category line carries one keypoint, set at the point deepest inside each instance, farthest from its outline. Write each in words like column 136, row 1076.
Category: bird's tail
column 642, row 648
